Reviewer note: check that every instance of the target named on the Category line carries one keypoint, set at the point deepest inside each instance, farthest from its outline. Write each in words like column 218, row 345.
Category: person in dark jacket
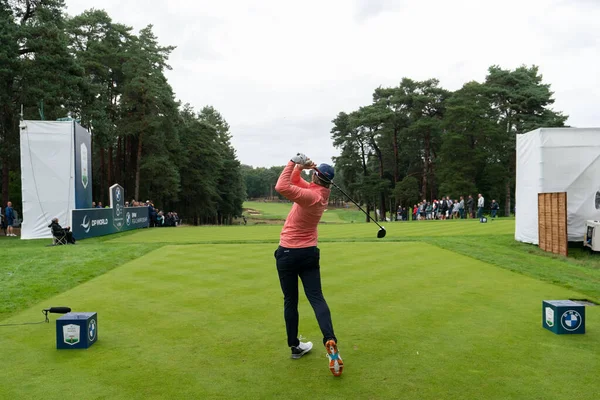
column 494, row 207
column 59, row 231
column 470, row 206
column 152, row 213
column 10, row 218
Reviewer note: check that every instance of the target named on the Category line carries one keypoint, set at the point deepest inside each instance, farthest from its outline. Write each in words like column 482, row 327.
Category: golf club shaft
column 349, row 198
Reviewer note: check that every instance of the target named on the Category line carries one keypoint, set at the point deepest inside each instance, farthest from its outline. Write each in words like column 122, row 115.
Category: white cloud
column 280, row 71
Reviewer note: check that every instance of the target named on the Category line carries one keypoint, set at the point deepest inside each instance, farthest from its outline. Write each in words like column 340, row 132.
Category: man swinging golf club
column 298, row 254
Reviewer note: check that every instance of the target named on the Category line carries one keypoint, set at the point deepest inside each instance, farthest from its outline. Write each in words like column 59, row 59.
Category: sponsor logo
column 100, row 222
column 92, row 330
column 71, row 334
column 128, row 219
column 117, row 203
column 84, row 165
column 549, row 317
column 571, row 320
column 86, row 224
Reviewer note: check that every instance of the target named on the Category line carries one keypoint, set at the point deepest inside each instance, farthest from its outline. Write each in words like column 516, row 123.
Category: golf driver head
column 381, row 233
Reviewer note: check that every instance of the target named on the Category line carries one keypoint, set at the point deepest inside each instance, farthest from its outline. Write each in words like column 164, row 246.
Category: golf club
column 381, row 233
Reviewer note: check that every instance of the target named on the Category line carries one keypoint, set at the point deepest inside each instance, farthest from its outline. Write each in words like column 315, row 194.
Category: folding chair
column 59, row 238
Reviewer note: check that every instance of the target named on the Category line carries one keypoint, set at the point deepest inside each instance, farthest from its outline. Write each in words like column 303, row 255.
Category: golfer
column 298, row 254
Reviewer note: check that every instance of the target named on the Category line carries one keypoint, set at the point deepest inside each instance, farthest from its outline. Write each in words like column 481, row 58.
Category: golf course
column 435, row 310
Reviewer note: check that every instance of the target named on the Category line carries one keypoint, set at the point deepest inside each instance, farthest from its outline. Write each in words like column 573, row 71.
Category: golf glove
column 300, row 159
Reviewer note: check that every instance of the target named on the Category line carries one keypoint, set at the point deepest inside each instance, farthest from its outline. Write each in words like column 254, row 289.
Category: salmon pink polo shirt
column 310, row 201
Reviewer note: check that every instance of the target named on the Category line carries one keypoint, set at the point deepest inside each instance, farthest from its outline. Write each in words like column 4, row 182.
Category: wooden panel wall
column 552, row 222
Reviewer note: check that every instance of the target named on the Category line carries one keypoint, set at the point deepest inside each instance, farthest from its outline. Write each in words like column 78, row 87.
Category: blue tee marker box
column 563, row 316
column 76, row 330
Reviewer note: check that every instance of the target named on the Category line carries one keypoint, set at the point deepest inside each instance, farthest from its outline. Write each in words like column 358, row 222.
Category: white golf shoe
column 301, row 349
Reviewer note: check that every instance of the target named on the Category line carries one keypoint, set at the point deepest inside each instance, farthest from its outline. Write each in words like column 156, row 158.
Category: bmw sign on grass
column 571, row 320
column 563, row 316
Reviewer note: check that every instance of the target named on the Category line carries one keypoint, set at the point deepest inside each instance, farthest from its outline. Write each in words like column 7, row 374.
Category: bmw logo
column 92, row 330
column 571, row 320
column 128, row 219
column 118, row 194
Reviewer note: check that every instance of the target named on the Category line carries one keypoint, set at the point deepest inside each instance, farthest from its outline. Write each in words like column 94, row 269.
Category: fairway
column 327, row 232
column 205, row 320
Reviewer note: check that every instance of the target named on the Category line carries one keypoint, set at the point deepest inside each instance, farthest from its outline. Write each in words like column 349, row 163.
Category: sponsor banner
column 117, row 204
column 83, row 167
column 94, row 222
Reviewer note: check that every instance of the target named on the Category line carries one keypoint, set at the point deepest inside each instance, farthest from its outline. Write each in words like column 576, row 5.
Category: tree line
column 420, row 141
column 101, row 73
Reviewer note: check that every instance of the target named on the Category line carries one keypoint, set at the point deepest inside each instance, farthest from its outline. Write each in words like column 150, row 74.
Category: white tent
column 47, row 175
column 557, row 160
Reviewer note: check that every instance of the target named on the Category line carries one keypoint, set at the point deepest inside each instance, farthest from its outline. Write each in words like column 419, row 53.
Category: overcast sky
column 279, row 71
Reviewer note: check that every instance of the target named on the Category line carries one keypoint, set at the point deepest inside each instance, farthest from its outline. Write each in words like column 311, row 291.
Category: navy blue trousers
column 303, row 263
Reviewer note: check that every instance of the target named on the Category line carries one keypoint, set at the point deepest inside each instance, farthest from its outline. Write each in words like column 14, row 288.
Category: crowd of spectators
column 447, row 208
column 158, row 218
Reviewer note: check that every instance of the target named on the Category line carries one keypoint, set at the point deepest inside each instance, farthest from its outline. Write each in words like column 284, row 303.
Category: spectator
column 93, row 204
column 422, row 209
column 59, row 231
column 462, row 207
column 160, row 219
column 99, row 204
column 480, row 205
column 495, row 207
column 455, row 210
column 470, row 204
column 9, row 213
column 443, row 208
column 151, row 213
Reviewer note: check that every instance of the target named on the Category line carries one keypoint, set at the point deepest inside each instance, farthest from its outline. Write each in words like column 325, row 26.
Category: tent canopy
column 47, row 174
column 557, row 160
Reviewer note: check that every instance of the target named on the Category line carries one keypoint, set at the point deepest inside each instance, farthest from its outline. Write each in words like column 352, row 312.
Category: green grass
column 31, row 271
column 203, row 321
column 327, row 232
column 279, row 211
column 436, row 310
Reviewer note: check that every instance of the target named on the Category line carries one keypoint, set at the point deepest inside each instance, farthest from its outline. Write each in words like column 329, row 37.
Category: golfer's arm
column 297, row 179
column 284, row 186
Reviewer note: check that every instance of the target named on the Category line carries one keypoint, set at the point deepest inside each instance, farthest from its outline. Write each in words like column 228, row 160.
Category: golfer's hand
column 308, row 165
column 300, row 159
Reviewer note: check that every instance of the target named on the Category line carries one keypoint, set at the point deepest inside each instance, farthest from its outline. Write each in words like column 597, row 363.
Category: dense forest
column 112, row 80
